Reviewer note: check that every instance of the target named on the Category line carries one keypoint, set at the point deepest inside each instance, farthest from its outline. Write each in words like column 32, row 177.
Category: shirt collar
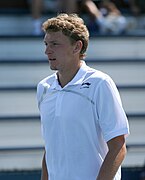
column 78, row 79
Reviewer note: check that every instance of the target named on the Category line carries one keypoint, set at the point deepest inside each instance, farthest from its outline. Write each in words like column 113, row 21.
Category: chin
column 53, row 68
column 52, row 65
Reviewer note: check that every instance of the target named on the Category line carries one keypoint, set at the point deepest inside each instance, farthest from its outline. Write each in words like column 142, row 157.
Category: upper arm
column 44, row 173
column 111, row 115
column 117, row 144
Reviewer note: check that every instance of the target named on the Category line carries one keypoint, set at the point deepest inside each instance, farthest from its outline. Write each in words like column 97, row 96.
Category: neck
column 65, row 77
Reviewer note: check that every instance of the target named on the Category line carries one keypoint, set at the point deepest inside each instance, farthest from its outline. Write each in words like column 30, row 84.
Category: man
column 83, row 122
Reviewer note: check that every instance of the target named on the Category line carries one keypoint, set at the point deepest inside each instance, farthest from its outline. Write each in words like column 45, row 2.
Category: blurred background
column 119, row 50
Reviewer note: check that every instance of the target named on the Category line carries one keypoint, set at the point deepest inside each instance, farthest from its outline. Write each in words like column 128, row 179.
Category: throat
column 64, row 79
column 65, row 76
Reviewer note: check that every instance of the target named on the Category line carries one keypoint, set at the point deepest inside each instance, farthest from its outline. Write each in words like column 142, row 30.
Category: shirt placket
column 58, row 106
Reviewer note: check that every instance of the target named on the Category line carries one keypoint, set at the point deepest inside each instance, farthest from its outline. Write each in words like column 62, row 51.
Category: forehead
column 55, row 36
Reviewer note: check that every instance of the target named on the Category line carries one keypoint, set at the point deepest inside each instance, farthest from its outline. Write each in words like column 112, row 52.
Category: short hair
column 72, row 26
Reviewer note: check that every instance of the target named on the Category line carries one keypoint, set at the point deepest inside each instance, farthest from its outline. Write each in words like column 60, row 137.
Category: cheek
column 68, row 52
column 61, row 53
column 64, row 52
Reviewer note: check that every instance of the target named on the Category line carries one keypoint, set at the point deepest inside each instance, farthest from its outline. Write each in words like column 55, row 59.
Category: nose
column 48, row 50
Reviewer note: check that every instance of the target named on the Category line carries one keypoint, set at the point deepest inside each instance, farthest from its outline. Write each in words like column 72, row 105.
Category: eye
column 55, row 43
column 45, row 43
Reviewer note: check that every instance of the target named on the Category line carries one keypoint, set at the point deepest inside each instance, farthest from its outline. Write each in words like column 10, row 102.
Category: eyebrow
column 52, row 41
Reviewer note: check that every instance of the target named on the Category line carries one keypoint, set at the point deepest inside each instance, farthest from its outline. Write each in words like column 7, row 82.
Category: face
column 59, row 50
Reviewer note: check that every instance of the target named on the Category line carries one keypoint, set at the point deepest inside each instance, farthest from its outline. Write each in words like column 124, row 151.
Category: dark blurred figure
column 36, row 7
column 106, row 16
column 137, row 6
column 133, row 7
column 142, row 175
column 113, row 21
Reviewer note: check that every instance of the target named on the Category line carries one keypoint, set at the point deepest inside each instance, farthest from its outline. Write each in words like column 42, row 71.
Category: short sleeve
column 111, row 115
column 40, row 90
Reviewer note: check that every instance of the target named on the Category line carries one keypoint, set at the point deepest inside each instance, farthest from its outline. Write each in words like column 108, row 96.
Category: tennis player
column 83, row 122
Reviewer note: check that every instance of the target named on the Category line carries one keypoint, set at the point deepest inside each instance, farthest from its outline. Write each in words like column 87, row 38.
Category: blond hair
column 72, row 26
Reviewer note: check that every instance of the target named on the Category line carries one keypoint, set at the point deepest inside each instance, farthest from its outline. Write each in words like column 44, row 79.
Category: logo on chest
column 85, row 85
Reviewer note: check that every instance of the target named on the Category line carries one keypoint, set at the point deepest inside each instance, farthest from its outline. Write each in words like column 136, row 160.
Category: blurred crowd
column 105, row 16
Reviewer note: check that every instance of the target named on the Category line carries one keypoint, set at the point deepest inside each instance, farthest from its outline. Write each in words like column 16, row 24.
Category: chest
column 66, row 103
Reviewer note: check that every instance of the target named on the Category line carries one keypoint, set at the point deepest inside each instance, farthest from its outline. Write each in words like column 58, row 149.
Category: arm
column 113, row 159
column 44, row 173
column 92, row 9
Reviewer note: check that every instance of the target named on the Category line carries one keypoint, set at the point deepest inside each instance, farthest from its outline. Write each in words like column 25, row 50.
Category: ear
column 78, row 47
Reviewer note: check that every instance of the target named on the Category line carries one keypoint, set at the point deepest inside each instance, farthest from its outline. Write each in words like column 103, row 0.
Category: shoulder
column 43, row 83
column 48, row 80
column 97, row 76
column 100, row 82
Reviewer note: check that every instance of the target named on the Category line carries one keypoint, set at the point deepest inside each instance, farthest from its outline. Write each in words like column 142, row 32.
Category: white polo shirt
column 77, row 121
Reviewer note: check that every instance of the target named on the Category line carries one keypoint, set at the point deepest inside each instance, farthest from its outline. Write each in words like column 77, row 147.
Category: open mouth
column 52, row 59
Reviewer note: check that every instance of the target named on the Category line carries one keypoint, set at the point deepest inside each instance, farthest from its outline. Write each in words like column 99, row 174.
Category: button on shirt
column 77, row 121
